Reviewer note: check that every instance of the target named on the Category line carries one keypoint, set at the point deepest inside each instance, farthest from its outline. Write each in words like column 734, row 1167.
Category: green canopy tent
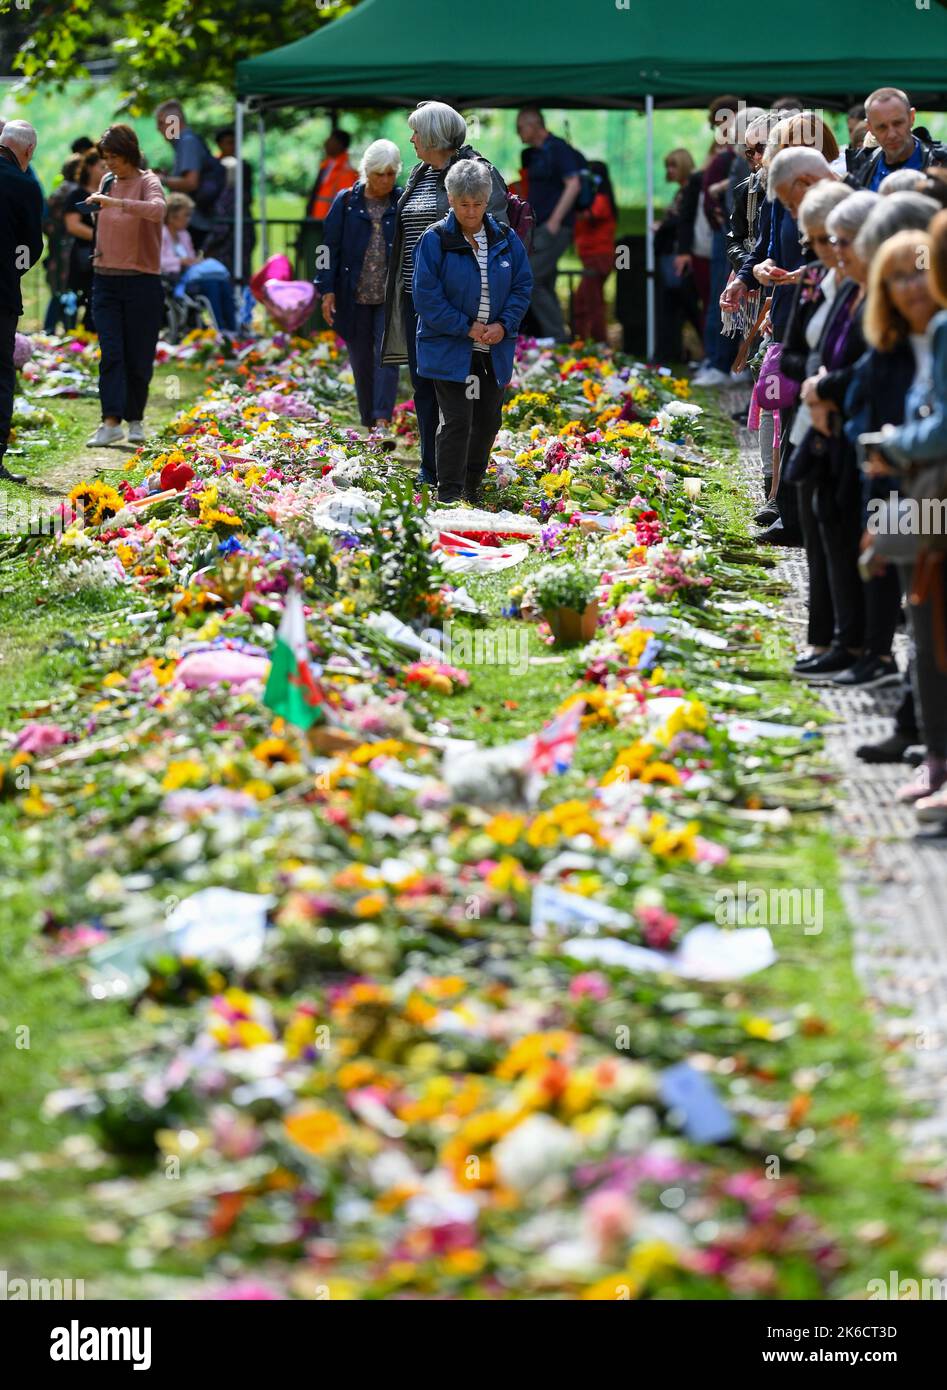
column 604, row 53
column 601, row 53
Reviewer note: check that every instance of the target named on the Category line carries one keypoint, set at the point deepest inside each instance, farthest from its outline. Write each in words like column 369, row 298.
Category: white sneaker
column 737, row 378
column 711, row 376
column 105, row 434
column 136, row 431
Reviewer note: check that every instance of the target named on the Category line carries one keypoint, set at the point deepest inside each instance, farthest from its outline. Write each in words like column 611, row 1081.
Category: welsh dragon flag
column 291, row 689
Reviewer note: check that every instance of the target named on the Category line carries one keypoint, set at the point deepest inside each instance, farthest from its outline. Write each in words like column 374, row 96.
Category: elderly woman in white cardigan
column 438, row 134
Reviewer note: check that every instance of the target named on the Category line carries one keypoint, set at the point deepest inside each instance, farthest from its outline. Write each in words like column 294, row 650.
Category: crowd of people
column 830, row 307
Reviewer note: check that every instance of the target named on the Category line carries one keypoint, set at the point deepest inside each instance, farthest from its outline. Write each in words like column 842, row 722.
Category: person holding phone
column 127, row 297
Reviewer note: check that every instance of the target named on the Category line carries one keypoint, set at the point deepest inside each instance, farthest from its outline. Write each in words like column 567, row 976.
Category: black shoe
column 828, row 666
column 778, row 534
column 767, row 515
column 805, row 662
column 890, row 750
column 869, row 672
column 916, row 752
column 9, row 477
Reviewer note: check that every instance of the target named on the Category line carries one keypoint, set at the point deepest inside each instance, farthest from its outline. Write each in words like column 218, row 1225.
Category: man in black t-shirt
column 552, row 170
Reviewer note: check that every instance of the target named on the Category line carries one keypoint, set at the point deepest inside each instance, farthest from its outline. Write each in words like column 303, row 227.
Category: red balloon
column 176, row 475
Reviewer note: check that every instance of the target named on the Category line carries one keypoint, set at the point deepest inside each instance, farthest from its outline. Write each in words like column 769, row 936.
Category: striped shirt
column 418, row 213
column 483, row 313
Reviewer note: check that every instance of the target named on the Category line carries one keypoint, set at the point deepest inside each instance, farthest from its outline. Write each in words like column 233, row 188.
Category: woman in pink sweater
column 127, row 297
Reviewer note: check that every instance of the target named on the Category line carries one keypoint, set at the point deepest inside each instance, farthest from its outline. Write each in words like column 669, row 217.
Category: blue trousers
column 375, row 386
column 219, row 295
column 425, row 397
column 128, row 312
column 720, row 351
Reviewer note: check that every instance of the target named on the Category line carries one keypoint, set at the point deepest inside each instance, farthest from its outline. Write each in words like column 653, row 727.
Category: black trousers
column 128, row 312
column 7, row 375
column 841, row 532
column 470, row 413
column 425, row 397
column 821, row 612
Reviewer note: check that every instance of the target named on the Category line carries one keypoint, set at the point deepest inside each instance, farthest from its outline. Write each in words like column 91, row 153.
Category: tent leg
column 649, row 220
column 264, row 225
column 238, row 198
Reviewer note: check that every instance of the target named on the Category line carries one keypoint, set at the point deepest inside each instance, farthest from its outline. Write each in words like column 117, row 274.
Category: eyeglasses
column 842, row 241
column 750, row 150
column 904, row 279
column 823, row 240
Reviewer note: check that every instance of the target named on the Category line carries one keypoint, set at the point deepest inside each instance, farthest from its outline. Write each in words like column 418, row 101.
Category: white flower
column 534, row 1150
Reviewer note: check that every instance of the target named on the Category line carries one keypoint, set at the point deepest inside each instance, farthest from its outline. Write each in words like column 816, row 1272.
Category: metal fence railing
column 293, row 237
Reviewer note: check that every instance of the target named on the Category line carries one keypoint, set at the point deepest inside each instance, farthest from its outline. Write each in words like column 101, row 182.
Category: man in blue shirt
column 552, row 186
column 196, row 172
column 890, row 117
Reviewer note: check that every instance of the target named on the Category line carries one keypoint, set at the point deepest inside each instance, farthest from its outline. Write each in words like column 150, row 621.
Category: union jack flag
column 553, row 748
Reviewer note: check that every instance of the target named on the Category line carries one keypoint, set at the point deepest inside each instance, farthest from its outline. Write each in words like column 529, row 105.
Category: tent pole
column 649, row 220
column 238, row 197
column 265, row 226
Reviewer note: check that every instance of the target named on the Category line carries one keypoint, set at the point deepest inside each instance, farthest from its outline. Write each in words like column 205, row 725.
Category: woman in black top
column 81, row 227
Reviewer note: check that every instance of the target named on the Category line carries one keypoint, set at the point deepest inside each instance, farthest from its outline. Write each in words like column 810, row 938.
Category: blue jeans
column 425, row 397
column 720, row 351
column 375, row 386
column 128, row 312
column 219, row 295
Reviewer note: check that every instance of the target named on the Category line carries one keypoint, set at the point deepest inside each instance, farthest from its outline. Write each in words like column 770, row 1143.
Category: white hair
column 469, row 178
column 793, row 163
column 380, row 156
column 20, row 136
column 852, row 215
column 438, row 126
column 822, row 198
column 899, row 212
column 901, row 181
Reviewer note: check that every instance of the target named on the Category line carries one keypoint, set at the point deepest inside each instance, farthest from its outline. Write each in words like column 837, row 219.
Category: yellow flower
column 275, row 750
column 508, row 876
column 34, row 805
column 505, row 828
column 370, row 905
column 185, row 772
column 318, row 1131
column 258, row 789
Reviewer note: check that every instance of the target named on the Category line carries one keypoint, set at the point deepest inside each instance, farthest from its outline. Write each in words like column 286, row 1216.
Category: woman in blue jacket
column 471, row 288
column 357, row 238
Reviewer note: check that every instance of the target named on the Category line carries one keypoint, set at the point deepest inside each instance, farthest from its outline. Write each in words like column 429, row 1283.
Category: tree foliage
column 154, row 48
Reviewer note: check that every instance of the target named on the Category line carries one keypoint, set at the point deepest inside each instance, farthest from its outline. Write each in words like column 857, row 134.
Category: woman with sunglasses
column 812, row 303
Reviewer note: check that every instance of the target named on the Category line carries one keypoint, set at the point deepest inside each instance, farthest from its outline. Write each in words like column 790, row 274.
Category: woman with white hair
column 438, row 134
column 471, row 287
column 357, row 236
